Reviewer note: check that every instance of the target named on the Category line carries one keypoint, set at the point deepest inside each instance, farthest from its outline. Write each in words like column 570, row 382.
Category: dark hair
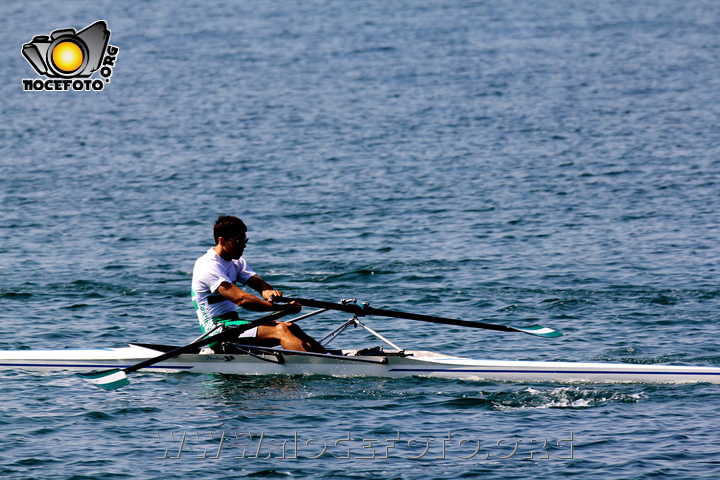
column 227, row 226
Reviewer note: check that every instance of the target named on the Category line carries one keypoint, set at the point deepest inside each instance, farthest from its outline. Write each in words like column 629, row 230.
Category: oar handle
column 353, row 308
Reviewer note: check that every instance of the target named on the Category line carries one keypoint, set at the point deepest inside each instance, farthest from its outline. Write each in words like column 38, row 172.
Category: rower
column 215, row 293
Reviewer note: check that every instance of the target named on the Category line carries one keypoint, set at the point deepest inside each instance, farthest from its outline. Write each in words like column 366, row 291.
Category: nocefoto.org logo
column 68, row 59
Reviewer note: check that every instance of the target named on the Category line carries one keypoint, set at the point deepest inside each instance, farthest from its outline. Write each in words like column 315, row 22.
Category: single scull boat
column 377, row 361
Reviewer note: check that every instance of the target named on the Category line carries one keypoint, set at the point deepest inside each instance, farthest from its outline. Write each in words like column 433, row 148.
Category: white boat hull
column 386, row 364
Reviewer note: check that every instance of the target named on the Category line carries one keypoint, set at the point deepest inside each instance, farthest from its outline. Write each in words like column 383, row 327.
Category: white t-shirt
column 210, row 271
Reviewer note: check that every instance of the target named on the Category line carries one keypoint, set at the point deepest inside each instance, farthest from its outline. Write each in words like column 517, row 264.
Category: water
column 521, row 162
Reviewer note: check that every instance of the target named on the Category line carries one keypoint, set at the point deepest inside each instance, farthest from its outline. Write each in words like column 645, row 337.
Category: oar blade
column 106, row 379
column 539, row 331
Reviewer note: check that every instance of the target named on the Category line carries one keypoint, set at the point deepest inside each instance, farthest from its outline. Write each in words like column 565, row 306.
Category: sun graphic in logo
column 67, row 56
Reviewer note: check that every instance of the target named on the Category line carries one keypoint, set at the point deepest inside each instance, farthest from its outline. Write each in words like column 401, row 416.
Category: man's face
column 235, row 245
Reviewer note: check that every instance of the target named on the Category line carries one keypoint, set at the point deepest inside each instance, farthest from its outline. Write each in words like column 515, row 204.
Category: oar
column 116, row 377
column 363, row 310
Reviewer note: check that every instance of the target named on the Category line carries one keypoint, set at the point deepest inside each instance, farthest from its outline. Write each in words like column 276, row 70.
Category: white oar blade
column 539, row 331
column 107, row 379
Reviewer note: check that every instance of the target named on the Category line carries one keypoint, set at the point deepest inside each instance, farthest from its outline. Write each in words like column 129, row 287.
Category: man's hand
column 295, row 307
column 270, row 294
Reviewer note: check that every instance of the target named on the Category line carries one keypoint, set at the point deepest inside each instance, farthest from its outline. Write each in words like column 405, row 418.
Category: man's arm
column 249, row 301
column 245, row 300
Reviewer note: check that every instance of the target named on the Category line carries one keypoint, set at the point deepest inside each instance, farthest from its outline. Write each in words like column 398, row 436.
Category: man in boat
column 215, row 294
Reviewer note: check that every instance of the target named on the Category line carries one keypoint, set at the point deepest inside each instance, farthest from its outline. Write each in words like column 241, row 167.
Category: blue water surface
column 551, row 162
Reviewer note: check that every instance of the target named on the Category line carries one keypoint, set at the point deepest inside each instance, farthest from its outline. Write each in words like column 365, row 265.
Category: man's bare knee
column 277, row 331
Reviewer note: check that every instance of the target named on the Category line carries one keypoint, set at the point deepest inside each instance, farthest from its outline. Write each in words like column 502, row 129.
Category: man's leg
column 290, row 336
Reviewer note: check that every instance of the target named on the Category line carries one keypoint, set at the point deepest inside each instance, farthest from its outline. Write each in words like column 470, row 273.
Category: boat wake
column 572, row 397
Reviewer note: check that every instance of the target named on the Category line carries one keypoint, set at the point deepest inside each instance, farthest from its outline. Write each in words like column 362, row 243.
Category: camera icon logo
column 67, row 53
